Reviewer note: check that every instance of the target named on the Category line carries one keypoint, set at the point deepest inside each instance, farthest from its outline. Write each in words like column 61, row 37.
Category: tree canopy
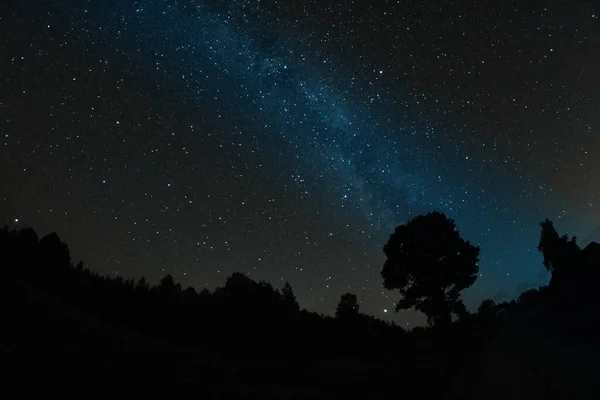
column 430, row 264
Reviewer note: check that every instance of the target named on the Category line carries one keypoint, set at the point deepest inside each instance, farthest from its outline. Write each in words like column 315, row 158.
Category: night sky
column 287, row 139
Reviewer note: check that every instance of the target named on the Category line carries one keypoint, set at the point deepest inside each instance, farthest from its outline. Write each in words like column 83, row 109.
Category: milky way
column 287, row 140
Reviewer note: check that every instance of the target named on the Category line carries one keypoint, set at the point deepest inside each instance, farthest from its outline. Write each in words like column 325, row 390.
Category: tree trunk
column 443, row 316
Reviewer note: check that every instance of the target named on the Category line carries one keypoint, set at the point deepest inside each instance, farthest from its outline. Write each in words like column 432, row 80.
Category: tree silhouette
column 239, row 286
column 54, row 251
column 251, row 299
column 289, row 298
column 560, row 253
column 347, row 307
column 487, row 307
column 168, row 290
column 430, row 264
column 142, row 286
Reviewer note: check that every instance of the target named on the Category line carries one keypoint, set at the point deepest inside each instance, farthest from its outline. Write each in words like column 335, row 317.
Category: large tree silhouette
column 560, row 252
column 430, row 264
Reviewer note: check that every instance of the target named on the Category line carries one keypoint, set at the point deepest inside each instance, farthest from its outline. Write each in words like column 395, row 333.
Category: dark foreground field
column 45, row 339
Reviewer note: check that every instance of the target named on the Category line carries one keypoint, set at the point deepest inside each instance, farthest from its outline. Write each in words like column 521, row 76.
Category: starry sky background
column 287, row 139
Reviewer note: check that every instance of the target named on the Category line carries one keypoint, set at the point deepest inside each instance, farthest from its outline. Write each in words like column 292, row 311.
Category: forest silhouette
column 265, row 345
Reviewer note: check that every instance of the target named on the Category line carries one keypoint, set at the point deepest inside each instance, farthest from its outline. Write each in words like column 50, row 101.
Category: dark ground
column 44, row 338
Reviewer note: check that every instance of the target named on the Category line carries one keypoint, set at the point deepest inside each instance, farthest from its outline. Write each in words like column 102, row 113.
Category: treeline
column 245, row 321
column 243, row 317
column 270, row 317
